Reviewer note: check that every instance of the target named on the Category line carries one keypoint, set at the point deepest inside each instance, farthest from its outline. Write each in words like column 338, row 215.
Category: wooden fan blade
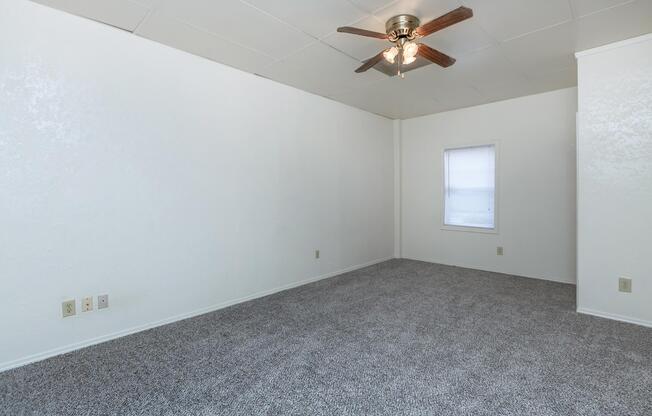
column 435, row 56
column 362, row 32
column 370, row 63
column 450, row 18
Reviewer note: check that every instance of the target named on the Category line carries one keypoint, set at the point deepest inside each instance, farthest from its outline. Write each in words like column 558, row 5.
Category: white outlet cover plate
column 87, row 304
column 68, row 308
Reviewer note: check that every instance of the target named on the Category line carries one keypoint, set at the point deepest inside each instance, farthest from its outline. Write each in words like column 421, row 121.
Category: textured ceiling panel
column 508, row 49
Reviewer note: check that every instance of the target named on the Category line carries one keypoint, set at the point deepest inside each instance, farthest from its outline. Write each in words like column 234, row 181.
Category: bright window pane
column 469, row 186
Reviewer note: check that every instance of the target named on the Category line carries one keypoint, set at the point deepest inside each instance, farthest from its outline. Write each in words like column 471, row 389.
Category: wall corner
column 397, row 188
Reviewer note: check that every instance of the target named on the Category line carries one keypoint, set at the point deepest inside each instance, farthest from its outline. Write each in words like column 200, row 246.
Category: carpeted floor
column 399, row 338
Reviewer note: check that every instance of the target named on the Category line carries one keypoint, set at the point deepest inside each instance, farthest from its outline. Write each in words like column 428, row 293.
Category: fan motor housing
column 402, row 26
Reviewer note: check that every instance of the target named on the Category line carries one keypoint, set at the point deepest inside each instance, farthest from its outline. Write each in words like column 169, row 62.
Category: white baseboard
column 615, row 317
column 97, row 340
column 489, row 269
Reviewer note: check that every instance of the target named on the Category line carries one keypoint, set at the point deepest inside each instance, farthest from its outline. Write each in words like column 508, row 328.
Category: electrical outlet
column 625, row 285
column 68, row 308
column 102, row 301
column 316, row 254
column 499, row 251
column 87, row 304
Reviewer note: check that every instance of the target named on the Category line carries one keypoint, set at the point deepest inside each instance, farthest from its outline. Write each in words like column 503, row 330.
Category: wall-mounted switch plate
column 499, row 251
column 87, row 304
column 316, row 254
column 68, row 308
column 625, row 285
column 102, row 301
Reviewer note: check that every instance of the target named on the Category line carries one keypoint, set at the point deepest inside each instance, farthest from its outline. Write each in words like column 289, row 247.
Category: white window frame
column 442, row 194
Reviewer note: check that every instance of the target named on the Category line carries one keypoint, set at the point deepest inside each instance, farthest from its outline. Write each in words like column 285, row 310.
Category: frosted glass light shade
column 391, row 54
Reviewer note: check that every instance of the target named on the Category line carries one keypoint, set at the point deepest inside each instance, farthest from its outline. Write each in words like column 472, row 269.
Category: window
column 469, row 187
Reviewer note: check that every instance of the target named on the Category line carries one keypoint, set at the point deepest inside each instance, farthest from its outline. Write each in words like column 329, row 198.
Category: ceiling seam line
column 278, row 19
column 222, row 38
column 147, row 15
column 606, row 9
column 522, row 35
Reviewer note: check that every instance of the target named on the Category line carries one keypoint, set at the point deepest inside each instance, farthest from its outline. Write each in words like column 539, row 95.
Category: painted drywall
column 174, row 184
column 536, row 186
column 615, row 180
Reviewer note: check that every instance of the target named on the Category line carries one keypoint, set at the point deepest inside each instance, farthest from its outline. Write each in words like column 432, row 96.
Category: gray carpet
column 399, row 338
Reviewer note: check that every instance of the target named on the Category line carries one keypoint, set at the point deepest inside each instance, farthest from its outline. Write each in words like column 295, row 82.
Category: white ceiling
column 508, row 49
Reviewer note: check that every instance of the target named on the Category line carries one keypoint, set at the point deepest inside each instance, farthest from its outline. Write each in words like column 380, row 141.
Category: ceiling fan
column 404, row 31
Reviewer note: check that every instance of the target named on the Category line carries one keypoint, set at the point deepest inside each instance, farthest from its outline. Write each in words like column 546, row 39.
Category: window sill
column 469, row 229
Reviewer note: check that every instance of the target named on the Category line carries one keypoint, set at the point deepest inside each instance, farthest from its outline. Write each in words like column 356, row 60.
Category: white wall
column 172, row 183
column 536, row 186
column 615, row 180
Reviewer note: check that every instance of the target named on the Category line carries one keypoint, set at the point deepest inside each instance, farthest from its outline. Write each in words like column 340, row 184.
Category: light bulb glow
column 410, row 50
column 391, row 54
column 409, row 60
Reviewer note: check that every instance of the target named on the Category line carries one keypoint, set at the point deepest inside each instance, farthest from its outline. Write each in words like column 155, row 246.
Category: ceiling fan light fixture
column 390, row 54
column 404, row 30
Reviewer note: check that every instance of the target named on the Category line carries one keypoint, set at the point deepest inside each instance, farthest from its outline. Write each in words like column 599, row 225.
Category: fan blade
column 435, row 56
column 370, row 63
column 361, row 32
column 450, row 18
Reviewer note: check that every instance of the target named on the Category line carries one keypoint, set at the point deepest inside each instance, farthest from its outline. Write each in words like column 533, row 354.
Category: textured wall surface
column 172, row 183
column 615, row 180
